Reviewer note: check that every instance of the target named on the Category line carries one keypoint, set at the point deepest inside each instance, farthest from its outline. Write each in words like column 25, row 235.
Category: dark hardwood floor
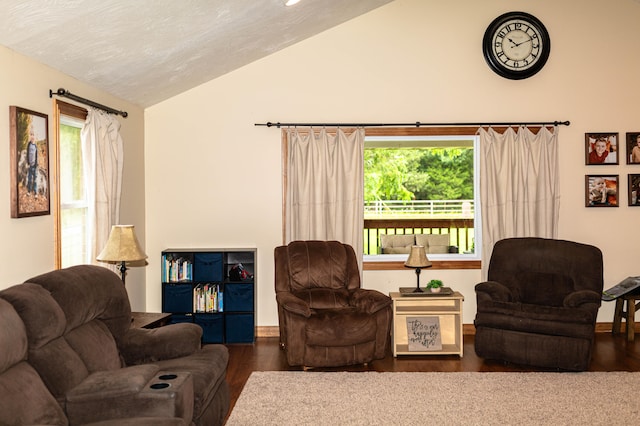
column 611, row 353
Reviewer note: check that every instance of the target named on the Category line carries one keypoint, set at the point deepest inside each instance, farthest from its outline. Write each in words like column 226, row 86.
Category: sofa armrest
column 369, row 301
column 493, row 291
column 138, row 391
column 141, row 345
column 293, row 304
column 580, row 298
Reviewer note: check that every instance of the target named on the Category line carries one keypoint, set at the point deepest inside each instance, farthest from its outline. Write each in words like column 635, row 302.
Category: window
column 421, row 181
column 71, row 205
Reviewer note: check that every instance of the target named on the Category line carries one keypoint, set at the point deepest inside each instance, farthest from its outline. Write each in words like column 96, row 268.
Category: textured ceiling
column 146, row 51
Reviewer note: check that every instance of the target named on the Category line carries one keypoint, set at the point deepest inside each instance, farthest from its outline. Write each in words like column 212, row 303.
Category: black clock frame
column 497, row 66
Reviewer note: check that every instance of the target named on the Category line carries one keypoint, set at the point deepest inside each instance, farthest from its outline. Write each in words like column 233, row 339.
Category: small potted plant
column 434, row 286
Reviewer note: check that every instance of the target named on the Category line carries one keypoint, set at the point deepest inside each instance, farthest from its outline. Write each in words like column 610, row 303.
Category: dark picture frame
column 29, row 162
column 633, row 147
column 601, row 190
column 634, row 189
column 601, row 148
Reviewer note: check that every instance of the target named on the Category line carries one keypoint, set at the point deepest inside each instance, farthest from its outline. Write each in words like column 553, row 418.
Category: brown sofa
column 325, row 318
column 540, row 303
column 69, row 357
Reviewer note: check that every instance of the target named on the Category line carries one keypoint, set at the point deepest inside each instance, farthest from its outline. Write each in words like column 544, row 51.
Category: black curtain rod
column 67, row 94
column 417, row 124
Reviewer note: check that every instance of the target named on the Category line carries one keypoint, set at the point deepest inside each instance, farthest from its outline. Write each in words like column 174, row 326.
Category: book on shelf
column 176, row 269
column 207, row 298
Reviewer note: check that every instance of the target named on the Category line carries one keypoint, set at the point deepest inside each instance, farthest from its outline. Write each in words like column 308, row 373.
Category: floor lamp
column 122, row 247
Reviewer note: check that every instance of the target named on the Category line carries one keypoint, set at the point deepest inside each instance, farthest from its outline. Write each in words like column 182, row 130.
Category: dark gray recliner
column 540, row 303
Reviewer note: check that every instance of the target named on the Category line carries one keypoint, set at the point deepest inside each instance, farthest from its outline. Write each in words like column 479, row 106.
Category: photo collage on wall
column 603, row 190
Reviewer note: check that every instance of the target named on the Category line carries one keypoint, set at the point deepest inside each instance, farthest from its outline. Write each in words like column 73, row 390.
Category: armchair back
column 544, row 271
column 306, row 265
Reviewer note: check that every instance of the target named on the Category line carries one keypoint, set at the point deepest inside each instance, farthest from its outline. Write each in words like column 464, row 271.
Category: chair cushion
column 434, row 243
column 25, row 400
column 321, row 264
column 324, row 298
column 396, row 244
column 543, row 288
column 13, row 337
column 340, row 327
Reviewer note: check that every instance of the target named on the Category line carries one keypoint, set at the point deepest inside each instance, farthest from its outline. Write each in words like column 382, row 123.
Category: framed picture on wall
column 29, row 162
column 633, row 148
column 634, row 190
column 601, row 190
column 601, row 148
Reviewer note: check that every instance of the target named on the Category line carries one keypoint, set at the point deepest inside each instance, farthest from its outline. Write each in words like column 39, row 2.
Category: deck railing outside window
column 453, row 217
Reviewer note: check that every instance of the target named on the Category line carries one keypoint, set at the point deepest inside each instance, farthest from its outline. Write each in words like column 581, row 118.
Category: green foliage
column 418, row 173
column 385, row 172
column 23, row 122
column 435, row 284
column 72, row 180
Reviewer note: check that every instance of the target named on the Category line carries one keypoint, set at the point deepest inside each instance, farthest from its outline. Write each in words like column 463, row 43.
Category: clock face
column 516, row 45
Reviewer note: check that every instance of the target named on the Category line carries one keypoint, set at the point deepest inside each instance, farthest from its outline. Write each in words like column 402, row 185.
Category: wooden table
column 448, row 311
column 149, row 319
column 628, row 314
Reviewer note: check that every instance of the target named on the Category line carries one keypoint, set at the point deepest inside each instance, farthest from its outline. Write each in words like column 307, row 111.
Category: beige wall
column 214, row 178
column 27, row 247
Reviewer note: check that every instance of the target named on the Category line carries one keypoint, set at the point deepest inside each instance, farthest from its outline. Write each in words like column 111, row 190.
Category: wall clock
column 516, row 45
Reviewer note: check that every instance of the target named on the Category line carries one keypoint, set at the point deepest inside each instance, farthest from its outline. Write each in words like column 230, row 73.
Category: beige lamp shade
column 417, row 258
column 122, row 246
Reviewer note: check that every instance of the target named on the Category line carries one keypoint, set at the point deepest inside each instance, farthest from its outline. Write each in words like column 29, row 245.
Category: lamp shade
column 122, row 246
column 417, row 258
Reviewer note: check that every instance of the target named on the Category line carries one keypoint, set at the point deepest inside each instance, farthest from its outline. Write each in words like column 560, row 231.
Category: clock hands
column 522, row 42
column 518, row 44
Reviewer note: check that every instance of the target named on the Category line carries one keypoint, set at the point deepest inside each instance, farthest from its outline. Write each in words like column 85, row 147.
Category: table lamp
column 417, row 259
column 122, row 247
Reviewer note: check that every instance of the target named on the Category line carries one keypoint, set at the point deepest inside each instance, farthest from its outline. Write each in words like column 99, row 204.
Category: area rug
column 370, row 398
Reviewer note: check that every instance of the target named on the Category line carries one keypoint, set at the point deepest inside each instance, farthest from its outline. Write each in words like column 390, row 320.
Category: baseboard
column 267, row 331
column 467, row 329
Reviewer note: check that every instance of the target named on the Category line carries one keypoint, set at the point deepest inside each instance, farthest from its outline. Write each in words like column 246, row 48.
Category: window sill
column 377, row 263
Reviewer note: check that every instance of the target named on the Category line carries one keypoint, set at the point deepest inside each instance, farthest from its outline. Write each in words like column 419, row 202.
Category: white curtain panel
column 103, row 155
column 324, row 179
column 519, row 191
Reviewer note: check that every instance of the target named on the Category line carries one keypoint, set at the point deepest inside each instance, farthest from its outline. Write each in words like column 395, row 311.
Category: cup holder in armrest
column 159, row 385
column 168, row 376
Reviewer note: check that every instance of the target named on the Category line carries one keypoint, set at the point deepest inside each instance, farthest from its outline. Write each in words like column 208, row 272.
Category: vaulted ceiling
column 146, row 51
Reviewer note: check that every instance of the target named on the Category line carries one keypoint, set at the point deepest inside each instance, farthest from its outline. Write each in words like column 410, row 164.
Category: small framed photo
column 29, row 162
column 633, row 148
column 601, row 190
column 634, row 190
column 601, row 148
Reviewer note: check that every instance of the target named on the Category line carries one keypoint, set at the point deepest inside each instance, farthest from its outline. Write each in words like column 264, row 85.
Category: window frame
column 60, row 108
column 458, row 261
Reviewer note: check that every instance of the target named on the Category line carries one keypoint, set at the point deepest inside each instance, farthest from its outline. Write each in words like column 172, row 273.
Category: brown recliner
column 326, row 319
column 540, row 303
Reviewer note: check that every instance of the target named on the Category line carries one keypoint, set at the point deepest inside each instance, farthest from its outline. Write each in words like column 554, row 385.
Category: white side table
column 447, row 308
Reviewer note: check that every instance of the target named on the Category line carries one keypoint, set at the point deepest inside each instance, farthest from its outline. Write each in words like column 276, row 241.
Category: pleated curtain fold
column 324, row 186
column 519, row 189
